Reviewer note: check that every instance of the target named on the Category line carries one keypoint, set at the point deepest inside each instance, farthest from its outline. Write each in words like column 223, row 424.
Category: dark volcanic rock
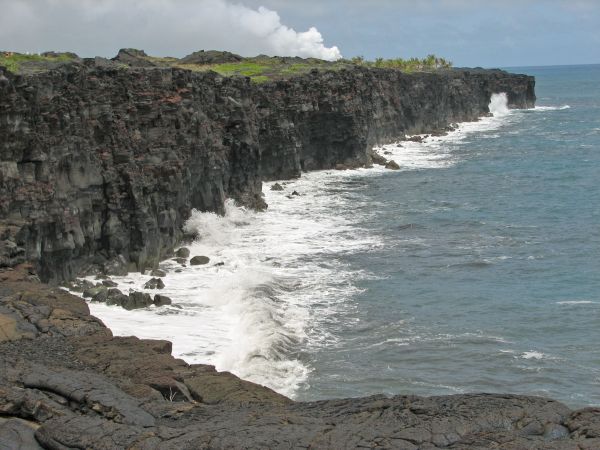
column 154, row 283
column 183, row 252
column 67, row 383
column 210, row 57
column 393, row 165
column 158, row 273
column 102, row 165
column 162, row 300
column 199, row 260
column 277, row 187
column 137, row 300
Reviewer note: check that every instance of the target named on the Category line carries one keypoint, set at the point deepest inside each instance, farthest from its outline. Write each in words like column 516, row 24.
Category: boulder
column 277, row 187
column 378, row 159
column 158, row 273
column 199, row 260
column 161, row 300
column 392, row 165
column 91, row 292
column 154, row 283
column 137, row 300
column 109, row 283
column 101, row 296
column 183, row 252
column 116, row 297
column 295, row 193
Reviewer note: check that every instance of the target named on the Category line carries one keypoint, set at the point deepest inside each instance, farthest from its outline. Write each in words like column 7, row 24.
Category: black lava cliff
column 101, row 164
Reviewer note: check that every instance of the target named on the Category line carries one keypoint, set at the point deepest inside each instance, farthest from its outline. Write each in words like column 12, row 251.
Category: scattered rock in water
column 101, row 276
column 137, row 300
column 91, row 292
column 296, row 193
column 387, row 153
column 109, row 283
column 158, row 273
column 418, row 139
column 277, row 187
column 161, row 300
column 183, row 252
column 154, row 283
column 116, row 297
column 392, row 165
column 178, row 270
column 181, row 261
column 101, row 296
column 220, row 264
column 378, row 159
column 199, row 260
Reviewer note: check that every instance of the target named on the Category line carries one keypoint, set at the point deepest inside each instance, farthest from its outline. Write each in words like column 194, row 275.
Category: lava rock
column 101, row 296
column 137, row 300
column 392, row 165
column 277, row 187
column 199, row 260
column 183, row 252
column 154, row 283
column 162, row 300
column 158, row 273
column 296, row 193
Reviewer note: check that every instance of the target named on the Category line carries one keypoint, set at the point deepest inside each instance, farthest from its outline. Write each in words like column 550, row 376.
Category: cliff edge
column 102, row 161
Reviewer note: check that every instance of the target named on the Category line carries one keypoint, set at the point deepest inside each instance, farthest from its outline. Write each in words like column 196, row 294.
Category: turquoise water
column 488, row 276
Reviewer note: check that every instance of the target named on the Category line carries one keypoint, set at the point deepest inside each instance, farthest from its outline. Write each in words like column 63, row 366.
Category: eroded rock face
column 101, row 163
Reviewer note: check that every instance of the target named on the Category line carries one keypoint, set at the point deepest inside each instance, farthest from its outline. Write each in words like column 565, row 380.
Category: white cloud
column 161, row 27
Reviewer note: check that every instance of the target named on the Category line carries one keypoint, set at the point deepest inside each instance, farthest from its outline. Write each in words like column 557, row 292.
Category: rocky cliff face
column 100, row 165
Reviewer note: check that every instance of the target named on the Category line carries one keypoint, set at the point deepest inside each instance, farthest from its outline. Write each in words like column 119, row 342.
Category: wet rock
column 109, row 283
column 154, row 283
column 418, row 139
column 392, row 165
column 277, row 187
column 101, row 296
column 116, row 267
column 181, row 261
column 219, row 264
column 183, row 252
column 158, row 273
column 199, row 260
column 91, row 292
column 378, row 159
column 116, row 297
column 137, row 300
column 296, row 193
column 161, row 300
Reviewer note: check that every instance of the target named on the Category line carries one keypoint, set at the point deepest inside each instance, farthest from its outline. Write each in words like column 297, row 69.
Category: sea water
column 474, row 268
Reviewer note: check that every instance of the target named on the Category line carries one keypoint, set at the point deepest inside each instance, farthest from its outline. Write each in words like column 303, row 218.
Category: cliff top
column 259, row 68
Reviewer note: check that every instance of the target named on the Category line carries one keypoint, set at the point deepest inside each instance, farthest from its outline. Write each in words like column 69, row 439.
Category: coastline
column 70, row 383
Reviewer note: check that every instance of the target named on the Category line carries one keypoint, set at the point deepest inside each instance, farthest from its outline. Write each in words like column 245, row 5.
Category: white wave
column 532, row 354
column 577, row 302
column 282, row 287
column 499, row 104
column 551, row 108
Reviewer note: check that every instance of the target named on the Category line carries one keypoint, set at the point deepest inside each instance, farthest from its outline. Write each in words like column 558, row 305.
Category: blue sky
column 492, row 33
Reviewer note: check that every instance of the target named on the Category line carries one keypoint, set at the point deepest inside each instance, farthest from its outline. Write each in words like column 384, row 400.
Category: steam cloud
column 162, row 27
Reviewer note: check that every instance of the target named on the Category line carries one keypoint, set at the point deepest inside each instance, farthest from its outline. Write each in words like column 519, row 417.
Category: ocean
column 473, row 268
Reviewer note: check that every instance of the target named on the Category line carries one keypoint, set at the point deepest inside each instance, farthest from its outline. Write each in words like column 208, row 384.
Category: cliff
column 102, row 162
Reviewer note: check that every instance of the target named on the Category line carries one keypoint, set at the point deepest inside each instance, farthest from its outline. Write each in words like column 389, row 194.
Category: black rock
column 161, row 300
column 277, row 187
column 393, row 165
column 295, row 193
column 137, row 300
column 158, row 273
column 183, row 252
column 199, row 260
column 101, row 296
column 109, row 283
column 154, row 283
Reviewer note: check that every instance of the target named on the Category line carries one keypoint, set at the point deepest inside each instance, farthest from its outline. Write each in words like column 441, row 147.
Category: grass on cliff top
column 16, row 62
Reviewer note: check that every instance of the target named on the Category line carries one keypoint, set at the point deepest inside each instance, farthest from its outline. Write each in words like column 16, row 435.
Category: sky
column 486, row 33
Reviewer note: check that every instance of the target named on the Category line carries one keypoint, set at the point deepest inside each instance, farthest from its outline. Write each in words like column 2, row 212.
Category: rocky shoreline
column 101, row 163
column 66, row 382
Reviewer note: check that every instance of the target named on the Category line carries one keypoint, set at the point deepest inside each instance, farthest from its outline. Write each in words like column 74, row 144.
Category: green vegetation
column 259, row 69
column 431, row 62
column 16, row 62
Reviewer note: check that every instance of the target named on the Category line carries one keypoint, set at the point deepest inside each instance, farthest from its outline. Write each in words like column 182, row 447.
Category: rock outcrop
column 66, row 382
column 102, row 161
